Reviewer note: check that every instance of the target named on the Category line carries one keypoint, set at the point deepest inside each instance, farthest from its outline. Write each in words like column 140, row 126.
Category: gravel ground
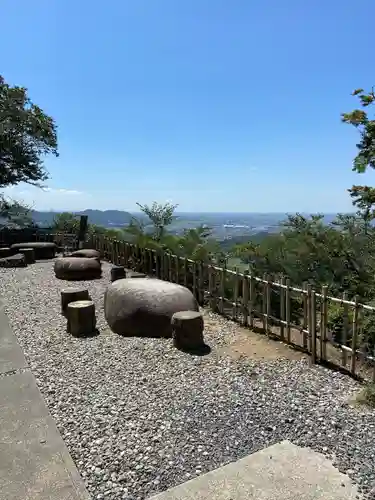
column 139, row 416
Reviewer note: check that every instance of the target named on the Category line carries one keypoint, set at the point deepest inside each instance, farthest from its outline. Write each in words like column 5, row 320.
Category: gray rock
column 5, row 252
column 86, row 252
column 144, row 307
column 187, row 330
column 17, row 260
column 42, row 249
column 77, row 268
column 117, row 273
column 29, row 254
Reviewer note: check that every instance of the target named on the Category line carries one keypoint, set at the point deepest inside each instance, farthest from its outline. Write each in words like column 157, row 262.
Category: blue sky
column 213, row 104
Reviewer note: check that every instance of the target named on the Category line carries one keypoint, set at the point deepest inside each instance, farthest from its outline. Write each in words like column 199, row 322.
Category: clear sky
column 216, row 105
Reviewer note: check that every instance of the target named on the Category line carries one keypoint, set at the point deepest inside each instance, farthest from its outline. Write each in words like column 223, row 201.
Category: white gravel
column 139, row 416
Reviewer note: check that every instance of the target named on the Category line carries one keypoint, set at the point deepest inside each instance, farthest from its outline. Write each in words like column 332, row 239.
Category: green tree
column 366, row 127
column 15, row 214
column 363, row 197
column 66, row 222
column 26, row 135
column 197, row 244
column 161, row 216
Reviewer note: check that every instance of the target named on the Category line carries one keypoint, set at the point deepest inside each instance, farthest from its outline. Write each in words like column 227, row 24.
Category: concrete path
column 34, row 461
column 283, row 472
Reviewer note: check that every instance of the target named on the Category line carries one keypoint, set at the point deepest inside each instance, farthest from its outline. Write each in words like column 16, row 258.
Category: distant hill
column 107, row 218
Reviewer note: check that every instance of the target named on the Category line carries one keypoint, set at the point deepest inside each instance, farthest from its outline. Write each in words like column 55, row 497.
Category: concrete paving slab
column 11, row 354
column 34, row 461
column 282, row 471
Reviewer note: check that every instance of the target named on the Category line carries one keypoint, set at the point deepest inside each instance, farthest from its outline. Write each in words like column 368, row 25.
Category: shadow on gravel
column 204, row 350
column 91, row 335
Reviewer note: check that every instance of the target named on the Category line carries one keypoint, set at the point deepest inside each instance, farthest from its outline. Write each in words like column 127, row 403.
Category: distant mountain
column 107, row 218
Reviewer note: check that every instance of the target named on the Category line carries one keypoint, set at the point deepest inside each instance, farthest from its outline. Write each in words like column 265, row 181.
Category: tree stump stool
column 81, row 318
column 187, row 330
column 29, row 254
column 69, row 295
column 5, row 252
column 117, row 273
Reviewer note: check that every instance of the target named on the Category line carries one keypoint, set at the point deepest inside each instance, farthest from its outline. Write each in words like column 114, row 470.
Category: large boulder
column 86, row 252
column 17, row 260
column 77, row 268
column 144, row 307
column 42, row 249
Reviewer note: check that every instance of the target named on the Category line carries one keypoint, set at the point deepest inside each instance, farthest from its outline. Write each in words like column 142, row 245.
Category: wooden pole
column 323, row 324
column 245, row 298
column 222, row 289
column 313, row 327
column 308, row 306
column 195, row 280
column 305, row 320
column 345, row 330
column 266, row 302
column 83, row 223
column 354, row 336
column 235, row 295
column 177, row 269
column 251, row 301
column 287, row 309
column 282, row 308
column 186, row 271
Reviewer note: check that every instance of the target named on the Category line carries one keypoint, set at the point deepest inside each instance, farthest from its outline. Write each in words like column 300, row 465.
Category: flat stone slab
column 34, row 462
column 282, row 471
column 11, row 354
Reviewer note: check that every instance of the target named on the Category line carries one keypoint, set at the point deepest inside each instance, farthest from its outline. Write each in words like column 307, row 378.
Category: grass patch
column 367, row 395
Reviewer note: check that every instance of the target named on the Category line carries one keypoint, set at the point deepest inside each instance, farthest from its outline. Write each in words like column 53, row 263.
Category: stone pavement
column 34, row 461
column 281, row 472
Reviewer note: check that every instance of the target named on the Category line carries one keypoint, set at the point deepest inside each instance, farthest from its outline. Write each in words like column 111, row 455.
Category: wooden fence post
column 157, row 264
column 177, row 269
column 186, row 271
column 82, row 230
column 266, row 302
column 169, row 267
column 345, row 329
column 282, row 308
column 313, row 326
column 235, row 278
column 251, row 300
column 245, row 298
column 354, row 336
column 323, row 324
column 211, row 288
column 195, row 280
column 222, row 289
column 287, row 309
column 305, row 320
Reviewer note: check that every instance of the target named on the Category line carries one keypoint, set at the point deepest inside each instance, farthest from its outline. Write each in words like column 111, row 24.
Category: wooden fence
column 299, row 317
column 334, row 331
